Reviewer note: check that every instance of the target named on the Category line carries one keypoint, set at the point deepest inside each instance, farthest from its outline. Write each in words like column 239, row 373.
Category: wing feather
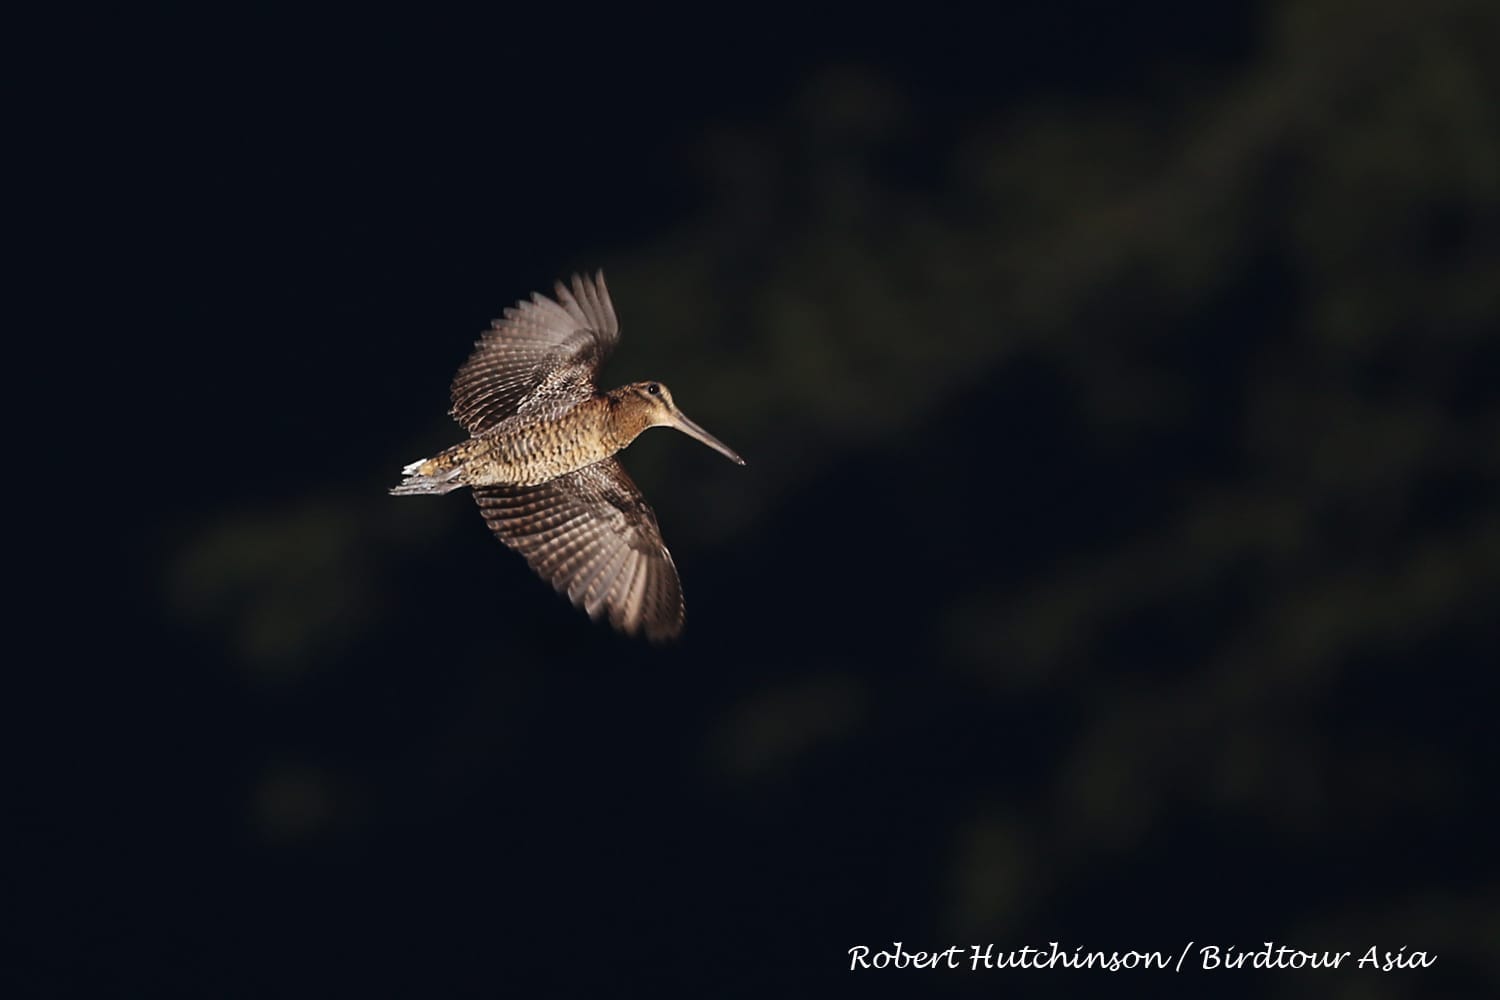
column 628, row 607
column 592, row 535
column 540, row 354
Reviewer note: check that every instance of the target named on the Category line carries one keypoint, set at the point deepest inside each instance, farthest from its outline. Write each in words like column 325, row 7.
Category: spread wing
column 542, row 353
column 592, row 535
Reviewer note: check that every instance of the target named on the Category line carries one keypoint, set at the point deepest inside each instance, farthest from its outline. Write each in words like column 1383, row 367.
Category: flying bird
column 540, row 458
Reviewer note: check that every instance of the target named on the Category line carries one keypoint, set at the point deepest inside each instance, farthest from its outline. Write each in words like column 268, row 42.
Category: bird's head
column 651, row 404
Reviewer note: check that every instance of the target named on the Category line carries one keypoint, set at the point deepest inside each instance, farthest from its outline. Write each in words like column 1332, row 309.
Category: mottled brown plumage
column 540, row 458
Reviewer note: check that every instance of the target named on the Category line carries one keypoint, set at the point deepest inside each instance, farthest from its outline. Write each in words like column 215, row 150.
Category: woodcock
column 540, row 459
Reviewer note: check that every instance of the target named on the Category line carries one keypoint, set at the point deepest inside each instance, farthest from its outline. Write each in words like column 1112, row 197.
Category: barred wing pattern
column 592, row 535
column 542, row 354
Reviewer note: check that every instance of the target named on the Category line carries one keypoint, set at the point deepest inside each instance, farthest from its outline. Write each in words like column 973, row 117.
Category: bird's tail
column 439, row 474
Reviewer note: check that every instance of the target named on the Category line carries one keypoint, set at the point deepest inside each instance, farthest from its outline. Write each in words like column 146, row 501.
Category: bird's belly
column 528, row 459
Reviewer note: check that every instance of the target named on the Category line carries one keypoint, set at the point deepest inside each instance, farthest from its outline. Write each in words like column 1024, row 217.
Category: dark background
column 1115, row 563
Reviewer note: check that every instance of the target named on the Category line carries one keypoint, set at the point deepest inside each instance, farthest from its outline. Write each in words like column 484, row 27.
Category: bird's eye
column 654, row 389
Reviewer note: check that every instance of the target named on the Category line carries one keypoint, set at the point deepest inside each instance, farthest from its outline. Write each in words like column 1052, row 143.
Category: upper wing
column 592, row 535
column 542, row 352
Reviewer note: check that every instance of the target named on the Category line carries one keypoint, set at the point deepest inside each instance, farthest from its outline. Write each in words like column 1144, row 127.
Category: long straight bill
column 692, row 430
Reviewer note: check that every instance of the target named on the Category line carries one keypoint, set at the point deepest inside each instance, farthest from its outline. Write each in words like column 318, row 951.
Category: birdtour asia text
column 1209, row 958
